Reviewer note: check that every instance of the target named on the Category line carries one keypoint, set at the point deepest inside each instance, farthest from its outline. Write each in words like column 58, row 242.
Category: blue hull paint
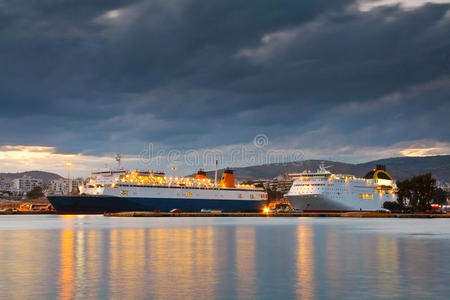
column 100, row 204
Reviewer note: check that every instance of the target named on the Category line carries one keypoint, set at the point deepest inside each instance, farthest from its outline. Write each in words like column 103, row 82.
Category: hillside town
column 19, row 187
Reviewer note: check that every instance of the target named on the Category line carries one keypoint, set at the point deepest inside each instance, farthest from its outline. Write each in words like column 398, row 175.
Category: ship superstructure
column 121, row 190
column 324, row 191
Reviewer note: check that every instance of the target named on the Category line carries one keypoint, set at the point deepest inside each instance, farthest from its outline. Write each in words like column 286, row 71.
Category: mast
column 215, row 173
column 118, row 158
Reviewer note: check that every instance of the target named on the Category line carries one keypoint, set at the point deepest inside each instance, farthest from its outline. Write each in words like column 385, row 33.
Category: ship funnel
column 227, row 180
column 381, row 167
column 200, row 174
column 379, row 173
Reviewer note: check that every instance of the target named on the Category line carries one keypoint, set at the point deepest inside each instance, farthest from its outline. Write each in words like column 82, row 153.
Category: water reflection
column 216, row 259
column 305, row 262
column 387, row 259
column 245, row 262
column 377, row 262
column 334, row 262
column 67, row 270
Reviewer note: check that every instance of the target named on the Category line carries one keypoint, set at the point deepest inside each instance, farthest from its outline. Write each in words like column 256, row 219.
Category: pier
column 285, row 215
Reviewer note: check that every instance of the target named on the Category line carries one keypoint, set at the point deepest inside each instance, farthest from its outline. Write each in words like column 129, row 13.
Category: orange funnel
column 200, row 174
column 227, row 180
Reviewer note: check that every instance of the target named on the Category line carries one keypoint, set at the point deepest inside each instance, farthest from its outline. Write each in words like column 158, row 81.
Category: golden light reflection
column 22, row 262
column 67, row 216
column 94, row 256
column 67, row 264
column 185, row 256
column 127, row 262
column 305, row 262
column 245, row 262
column 387, row 265
column 80, row 262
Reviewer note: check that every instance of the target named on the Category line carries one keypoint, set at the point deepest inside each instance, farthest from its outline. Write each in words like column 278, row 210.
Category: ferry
column 322, row 191
column 121, row 190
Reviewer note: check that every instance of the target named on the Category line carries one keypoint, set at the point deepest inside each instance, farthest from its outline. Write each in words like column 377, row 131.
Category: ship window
column 188, row 194
column 252, row 196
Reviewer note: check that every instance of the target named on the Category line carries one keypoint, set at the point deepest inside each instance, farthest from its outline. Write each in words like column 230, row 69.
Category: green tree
column 404, row 192
column 36, row 192
column 439, row 196
column 418, row 191
column 393, row 206
column 423, row 186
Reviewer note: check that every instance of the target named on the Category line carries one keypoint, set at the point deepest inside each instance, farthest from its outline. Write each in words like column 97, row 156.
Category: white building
column 59, row 186
column 5, row 185
column 25, row 184
column 281, row 184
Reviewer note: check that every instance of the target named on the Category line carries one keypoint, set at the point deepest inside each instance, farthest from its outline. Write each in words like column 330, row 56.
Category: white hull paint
column 148, row 191
column 323, row 191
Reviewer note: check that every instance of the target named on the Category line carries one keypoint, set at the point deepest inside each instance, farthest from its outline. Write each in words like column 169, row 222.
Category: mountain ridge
column 45, row 176
column 399, row 167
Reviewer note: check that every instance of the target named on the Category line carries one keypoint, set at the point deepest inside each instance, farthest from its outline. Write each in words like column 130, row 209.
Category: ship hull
column 319, row 202
column 84, row 204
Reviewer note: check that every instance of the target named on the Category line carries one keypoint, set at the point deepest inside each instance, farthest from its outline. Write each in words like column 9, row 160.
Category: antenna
column 174, row 169
column 215, row 173
column 118, row 158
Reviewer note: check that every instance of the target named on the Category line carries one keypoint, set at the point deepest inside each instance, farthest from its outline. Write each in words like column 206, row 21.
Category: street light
column 68, row 164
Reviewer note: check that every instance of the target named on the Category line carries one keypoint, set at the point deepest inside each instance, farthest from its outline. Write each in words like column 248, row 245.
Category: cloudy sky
column 164, row 80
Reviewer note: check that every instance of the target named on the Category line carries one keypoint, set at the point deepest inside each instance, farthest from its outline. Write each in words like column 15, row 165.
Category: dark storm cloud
column 100, row 76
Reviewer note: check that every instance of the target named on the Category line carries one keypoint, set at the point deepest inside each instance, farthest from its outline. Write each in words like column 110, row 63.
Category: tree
column 439, row 196
column 423, row 187
column 404, row 192
column 393, row 206
column 418, row 191
column 36, row 192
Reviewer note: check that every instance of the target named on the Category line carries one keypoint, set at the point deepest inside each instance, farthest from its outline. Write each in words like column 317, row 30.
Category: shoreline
column 144, row 214
column 278, row 215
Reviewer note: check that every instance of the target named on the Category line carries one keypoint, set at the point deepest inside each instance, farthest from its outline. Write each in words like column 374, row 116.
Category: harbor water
column 93, row 257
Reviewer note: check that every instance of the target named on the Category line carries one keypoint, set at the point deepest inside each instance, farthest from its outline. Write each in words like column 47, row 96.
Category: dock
column 27, row 212
column 285, row 215
column 146, row 214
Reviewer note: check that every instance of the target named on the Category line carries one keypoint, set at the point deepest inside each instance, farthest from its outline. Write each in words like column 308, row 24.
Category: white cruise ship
column 324, row 191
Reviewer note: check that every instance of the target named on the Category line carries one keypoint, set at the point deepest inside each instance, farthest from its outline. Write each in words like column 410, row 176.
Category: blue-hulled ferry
column 121, row 190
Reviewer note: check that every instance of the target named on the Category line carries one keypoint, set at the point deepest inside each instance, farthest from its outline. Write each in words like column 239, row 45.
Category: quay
column 145, row 214
column 27, row 212
column 291, row 215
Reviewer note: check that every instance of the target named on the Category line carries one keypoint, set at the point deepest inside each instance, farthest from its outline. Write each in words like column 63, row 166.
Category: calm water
column 47, row 257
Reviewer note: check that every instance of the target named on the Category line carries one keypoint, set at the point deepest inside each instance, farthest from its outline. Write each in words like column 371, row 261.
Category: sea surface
column 95, row 257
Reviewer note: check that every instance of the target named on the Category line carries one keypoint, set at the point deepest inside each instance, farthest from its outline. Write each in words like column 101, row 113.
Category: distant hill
column 45, row 176
column 399, row 167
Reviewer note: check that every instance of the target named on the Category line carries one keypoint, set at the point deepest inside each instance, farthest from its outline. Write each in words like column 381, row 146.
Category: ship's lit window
column 188, row 194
